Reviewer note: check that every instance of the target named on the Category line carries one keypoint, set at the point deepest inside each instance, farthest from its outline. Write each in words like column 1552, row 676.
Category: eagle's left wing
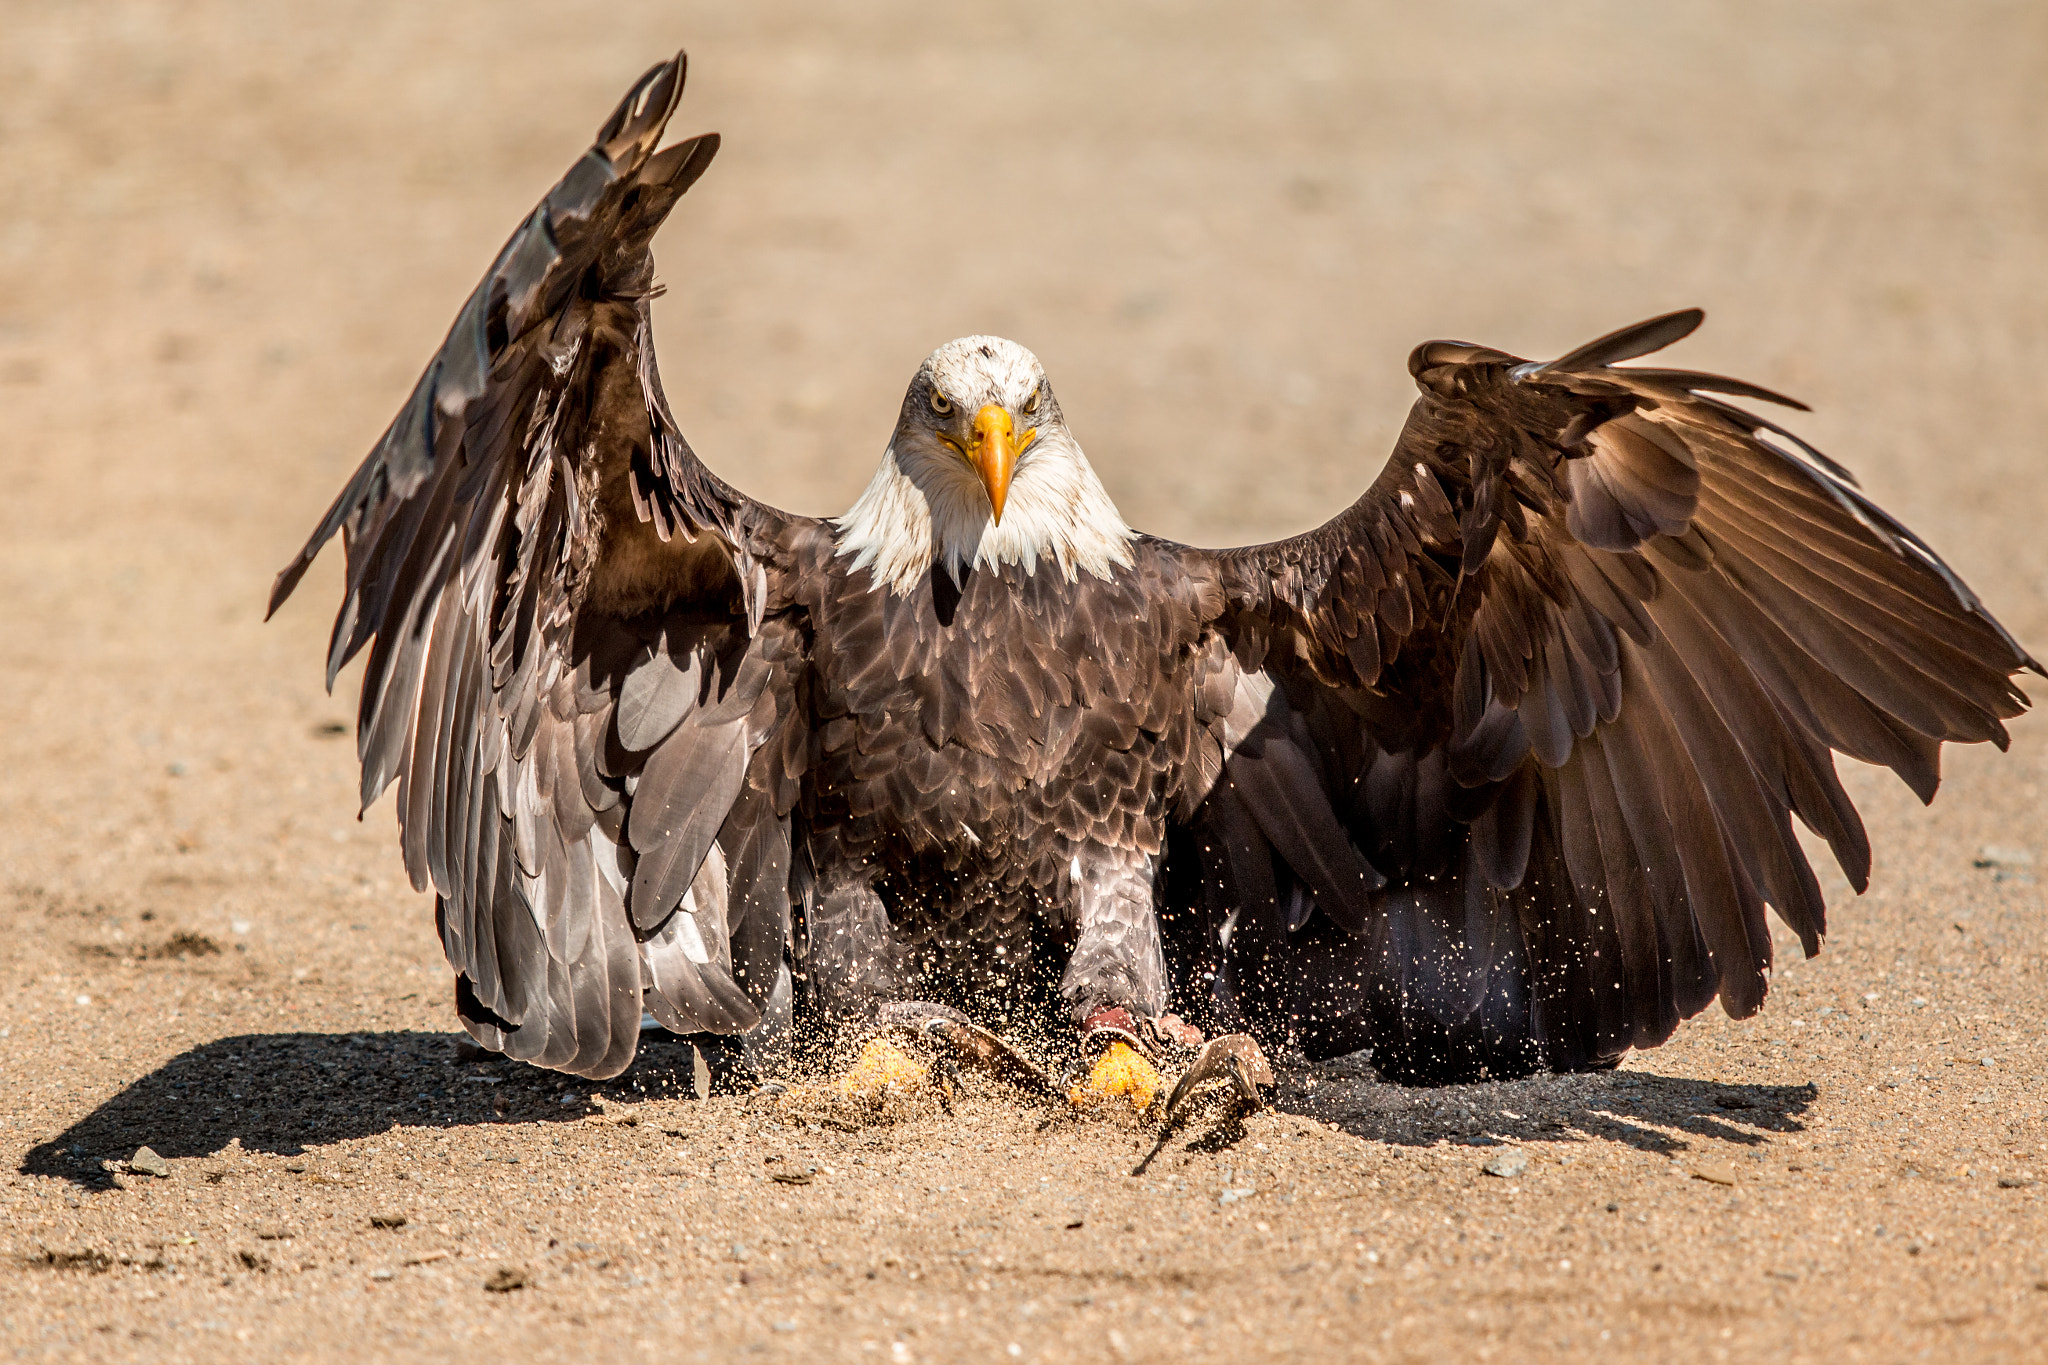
column 1529, row 721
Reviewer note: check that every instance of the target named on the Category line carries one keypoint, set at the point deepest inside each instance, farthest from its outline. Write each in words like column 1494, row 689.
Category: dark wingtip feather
column 694, row 157
column 706, row 146
column 635, row 127
column 286, row 580
column 1699, row 382
column 1639, row 339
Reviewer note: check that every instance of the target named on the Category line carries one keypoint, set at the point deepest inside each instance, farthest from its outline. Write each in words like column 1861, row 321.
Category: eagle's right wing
column 577, row 643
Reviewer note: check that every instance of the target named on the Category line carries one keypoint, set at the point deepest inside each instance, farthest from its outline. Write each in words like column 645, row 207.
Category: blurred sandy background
column 232, row 234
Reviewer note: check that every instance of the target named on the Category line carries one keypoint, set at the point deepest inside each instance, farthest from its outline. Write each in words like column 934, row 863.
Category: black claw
column 1097, row 1041
column 1234, row 1060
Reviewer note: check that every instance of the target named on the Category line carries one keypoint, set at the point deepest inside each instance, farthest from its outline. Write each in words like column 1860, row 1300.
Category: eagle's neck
column 911, row 517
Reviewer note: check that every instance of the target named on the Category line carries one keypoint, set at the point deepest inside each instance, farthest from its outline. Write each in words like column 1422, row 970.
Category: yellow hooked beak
column 996, row 448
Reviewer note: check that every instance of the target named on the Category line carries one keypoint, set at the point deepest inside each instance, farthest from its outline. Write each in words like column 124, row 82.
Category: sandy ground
column 232, row 234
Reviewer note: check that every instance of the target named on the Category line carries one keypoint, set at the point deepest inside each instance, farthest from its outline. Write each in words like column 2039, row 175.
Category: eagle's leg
column 853, row 960
column 855, row 967
column 1114, row 986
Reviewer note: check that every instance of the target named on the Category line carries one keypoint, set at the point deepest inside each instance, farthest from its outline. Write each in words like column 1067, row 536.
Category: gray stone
column 147, row 1162
column 1508, row 1164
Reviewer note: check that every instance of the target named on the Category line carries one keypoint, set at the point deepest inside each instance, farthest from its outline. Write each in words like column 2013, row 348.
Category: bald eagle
column 1493, row 772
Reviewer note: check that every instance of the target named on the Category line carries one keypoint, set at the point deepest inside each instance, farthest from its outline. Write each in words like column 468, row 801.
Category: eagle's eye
column 1031, row 403
column 941, row 404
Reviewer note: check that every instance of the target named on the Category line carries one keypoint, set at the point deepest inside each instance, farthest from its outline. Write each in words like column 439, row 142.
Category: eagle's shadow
column 285, row 1092
column 1637, row 1109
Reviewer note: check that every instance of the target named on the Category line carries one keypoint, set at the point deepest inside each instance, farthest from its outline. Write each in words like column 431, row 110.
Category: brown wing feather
column 571, row 654
column 1636, row 619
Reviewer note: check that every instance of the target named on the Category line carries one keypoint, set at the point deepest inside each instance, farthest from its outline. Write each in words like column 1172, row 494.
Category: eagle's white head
column 982, row 471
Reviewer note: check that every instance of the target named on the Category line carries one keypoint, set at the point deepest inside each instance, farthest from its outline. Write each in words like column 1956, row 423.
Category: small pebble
column 505, row 1280
column 2004, row 855
column 147, row 1162
column 1508, row 1164
column 1714, row 1173
column 387, row 1220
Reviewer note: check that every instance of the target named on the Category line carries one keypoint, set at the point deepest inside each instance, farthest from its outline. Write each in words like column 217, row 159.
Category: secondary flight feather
column 1496, row 771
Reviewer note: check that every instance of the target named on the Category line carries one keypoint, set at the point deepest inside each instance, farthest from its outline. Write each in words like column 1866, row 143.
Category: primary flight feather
column 1495, row 771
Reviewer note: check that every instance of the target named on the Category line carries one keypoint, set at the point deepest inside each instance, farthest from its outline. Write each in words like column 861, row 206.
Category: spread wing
column 576, row 642
column 1529, row 722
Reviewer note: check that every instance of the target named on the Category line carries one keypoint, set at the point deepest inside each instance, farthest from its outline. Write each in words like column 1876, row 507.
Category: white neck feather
column 926, row 505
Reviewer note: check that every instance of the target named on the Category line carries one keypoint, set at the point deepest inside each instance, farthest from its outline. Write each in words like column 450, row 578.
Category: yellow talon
column 881, row 1070
column 1119, row 1071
